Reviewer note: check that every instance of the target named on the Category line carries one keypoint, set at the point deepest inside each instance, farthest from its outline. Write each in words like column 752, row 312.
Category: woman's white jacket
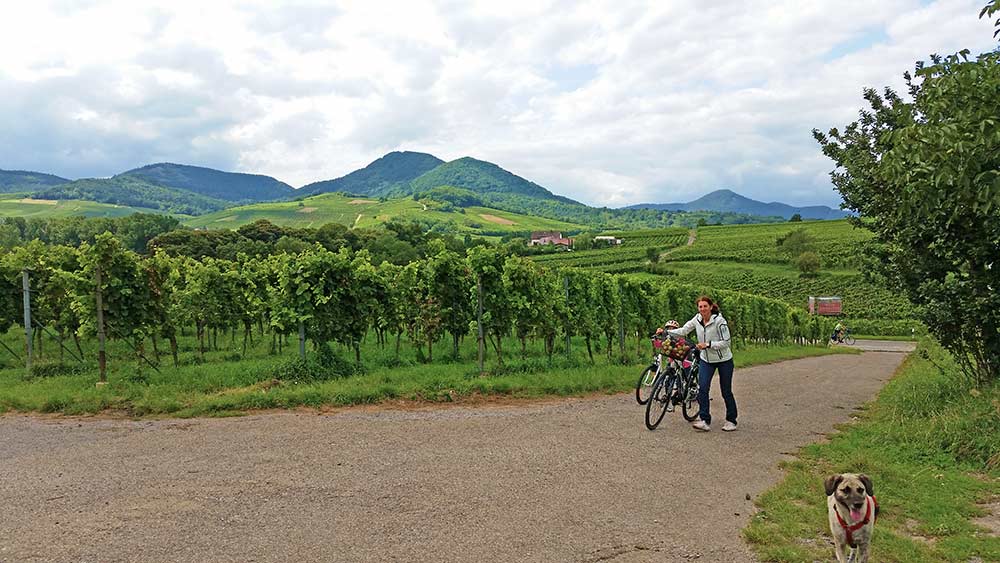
column 715, row 332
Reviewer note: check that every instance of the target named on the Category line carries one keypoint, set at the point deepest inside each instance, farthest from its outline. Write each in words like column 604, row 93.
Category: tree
column 796, row 218
column 808, row 263
column 924, row 176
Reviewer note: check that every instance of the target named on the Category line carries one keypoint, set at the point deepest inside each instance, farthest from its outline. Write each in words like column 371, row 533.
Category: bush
column 324, row 365
column 808, row 263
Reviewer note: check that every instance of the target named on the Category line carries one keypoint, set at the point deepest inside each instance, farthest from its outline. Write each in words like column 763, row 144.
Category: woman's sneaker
column 729, row 427
column 701, row 426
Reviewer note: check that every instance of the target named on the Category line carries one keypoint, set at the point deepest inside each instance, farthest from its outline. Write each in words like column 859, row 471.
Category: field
column 836, row 243
column 45, row 209
column 747, row 258
column 361, row 212
column 629, row 256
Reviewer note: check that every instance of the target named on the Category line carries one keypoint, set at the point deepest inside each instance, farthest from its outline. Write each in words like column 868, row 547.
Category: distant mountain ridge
column 730, row 201
column 25, row 180
column 388, row 175
column 236, row 187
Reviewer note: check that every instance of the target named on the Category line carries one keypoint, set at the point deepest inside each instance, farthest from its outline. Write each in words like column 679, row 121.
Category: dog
column 852, row 509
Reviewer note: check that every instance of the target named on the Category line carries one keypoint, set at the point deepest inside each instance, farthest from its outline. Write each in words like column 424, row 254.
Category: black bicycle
column 675, row 385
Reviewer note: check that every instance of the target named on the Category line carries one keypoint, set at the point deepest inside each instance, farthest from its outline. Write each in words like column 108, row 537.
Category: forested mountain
column 389, row 175
column 135, row 192
column 26, row 181
column 729, row 201
column 483, row 178
column 228, row 186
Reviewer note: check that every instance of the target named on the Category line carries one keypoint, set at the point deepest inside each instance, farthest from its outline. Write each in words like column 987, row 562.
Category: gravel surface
column 578, row 479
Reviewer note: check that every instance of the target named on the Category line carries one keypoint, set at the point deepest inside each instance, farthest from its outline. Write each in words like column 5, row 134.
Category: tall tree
column 924, row 175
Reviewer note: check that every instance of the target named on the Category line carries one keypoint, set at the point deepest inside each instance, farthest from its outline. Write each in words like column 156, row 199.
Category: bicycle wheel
column 849, row 340
column 644, row 388
column 656, row 406
column 690, row 405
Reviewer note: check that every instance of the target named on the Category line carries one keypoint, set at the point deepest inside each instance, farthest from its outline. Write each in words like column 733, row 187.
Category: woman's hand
column 702, row 345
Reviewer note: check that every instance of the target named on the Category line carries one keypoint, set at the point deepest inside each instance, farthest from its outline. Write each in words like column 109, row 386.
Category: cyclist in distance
column 714, row 343
column 838, row 332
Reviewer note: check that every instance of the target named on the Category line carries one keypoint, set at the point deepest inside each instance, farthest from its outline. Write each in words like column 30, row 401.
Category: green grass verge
column 932, row 447
column 228, row 383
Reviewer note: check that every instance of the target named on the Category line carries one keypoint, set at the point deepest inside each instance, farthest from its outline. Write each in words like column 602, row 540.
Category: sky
column 609, row 103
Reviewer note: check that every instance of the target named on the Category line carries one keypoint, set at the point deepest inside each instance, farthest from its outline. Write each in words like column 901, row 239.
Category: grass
column 932, row 447
column 369, row 212
column 227, row 383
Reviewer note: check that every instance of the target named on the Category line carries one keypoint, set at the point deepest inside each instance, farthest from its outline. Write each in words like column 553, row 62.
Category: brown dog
column 851, row 507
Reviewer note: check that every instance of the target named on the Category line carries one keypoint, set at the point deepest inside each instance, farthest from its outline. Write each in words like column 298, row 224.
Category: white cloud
column 610, row 103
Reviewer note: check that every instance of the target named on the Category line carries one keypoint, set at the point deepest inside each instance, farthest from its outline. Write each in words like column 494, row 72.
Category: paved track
column 566, row 480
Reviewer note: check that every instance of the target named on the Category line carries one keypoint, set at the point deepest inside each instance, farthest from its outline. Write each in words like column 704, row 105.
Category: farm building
column 610, row 240
column 549, row 237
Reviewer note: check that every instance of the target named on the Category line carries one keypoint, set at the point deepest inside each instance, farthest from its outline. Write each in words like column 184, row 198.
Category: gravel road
column 577, row 479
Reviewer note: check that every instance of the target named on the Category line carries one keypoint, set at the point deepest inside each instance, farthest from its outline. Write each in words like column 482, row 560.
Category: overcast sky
column 610, row 103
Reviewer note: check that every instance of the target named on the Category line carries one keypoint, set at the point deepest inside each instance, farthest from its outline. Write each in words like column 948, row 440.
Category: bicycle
column 644, row 388
column 676, row 385
column 846, row 337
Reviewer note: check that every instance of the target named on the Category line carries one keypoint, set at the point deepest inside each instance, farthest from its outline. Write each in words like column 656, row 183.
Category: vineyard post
column 621, row 332
column 27, row 318
column 479, row 318
column 302, row 339
column 566, row 289
column 102, row 359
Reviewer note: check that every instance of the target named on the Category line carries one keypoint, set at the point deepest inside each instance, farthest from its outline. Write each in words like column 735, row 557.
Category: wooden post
column 102, row 358
column 566, row 288
column 302, row 339
column 479, row 319
column 27, row 319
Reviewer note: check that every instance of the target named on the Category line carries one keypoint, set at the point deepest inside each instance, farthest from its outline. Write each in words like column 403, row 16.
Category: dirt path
column 565, row 480
column 692, row 235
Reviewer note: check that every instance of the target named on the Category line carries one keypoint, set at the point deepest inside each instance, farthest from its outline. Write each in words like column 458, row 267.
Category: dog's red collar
column 849, row 530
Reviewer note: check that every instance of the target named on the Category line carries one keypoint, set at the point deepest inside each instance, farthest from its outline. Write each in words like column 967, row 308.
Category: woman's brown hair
column 707, row 299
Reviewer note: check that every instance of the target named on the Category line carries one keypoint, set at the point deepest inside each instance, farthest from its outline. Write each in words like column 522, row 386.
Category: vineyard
column 43, row 208
column 861, row 299
column 352, row 211
column 836, row 243
column 317, row 298
column 752, row 259
column 630, row 256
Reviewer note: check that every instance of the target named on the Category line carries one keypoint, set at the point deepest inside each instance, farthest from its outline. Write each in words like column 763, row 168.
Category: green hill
column 361, row 212
column 216, row 184
column 483, row 178
column 26, row 181
column 388, row 175
column 48, row 208
column 133, row 192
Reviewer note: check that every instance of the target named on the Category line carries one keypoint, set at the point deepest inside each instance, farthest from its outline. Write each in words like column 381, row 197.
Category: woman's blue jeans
column 705, row 373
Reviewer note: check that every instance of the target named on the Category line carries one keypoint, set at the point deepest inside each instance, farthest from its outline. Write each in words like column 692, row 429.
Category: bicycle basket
column 676, row 348
column 657, row 343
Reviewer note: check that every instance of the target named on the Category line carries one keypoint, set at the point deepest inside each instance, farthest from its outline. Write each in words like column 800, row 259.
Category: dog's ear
column 868, row 484
column 831, row 483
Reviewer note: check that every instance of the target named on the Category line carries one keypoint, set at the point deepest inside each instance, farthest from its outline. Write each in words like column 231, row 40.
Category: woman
column 713, row 341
